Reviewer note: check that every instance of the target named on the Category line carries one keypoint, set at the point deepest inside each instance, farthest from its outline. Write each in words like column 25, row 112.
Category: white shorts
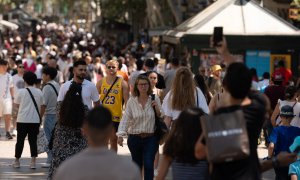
column 5, row 107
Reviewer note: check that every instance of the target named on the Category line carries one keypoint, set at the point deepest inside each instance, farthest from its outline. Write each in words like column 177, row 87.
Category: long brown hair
column 183, row 89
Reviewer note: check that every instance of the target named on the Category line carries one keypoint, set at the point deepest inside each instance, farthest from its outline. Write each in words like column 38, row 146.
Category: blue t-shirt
column 283, row 137
column 295, row 169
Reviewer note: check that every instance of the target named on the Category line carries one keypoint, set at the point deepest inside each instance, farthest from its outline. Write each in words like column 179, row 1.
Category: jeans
column 143, row 152
column 24, row 129
column 49, row 123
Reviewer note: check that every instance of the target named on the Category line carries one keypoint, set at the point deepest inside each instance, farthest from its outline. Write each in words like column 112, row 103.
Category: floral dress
column 67, row 142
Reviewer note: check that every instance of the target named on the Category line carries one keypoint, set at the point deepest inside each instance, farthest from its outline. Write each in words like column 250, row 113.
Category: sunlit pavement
column 7, row 148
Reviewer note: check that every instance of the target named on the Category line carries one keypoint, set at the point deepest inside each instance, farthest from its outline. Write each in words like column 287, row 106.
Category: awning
column 8, row 24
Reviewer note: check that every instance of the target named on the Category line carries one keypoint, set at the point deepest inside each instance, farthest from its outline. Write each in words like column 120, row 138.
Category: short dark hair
column 237, row 80
column 3, row 62
column 80, row 62
column 281, row 63
column 52, row 72
column 175, row 61
column 149, row 63
column 99, row 118
column 266, row 75
column 139, row 64
column 30, row 78
column 290, row 92
column 18, row 62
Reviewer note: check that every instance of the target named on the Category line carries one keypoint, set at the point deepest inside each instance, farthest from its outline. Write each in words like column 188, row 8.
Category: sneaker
column 16, row 164
column 32, row 165
column 46, row 165
column 8, row 136
column 14, row 132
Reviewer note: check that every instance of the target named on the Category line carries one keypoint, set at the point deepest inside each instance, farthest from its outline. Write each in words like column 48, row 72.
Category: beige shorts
column 5, row 107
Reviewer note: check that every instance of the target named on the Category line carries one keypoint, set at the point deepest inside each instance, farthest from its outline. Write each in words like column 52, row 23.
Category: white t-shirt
column 27, row 112
column 89, row 92
column 6, row 83
column 18, row 82
column 168, row 111
column 38, row 71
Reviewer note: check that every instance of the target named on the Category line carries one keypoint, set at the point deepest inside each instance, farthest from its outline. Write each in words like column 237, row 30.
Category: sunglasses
column 111, row 67
column 20, row 66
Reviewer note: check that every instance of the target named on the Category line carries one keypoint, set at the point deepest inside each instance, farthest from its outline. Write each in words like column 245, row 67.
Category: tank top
column 113, row 100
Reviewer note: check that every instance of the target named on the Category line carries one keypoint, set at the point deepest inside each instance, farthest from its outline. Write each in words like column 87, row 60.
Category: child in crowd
column 294, row 169
column 281, row 138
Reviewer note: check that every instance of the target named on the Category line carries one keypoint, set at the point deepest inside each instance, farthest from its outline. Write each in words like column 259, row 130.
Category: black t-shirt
column 249, row 168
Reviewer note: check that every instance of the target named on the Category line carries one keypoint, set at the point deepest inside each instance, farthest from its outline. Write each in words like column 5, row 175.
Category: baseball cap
column 295, row 147
column 287, row 111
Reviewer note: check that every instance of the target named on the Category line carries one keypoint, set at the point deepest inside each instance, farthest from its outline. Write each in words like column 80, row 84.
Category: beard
column 81, row 77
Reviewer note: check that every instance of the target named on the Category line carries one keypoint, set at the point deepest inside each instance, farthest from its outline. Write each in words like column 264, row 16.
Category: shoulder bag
column 109, row 89
column 42, row 142
column 226, row 136
column 160, row 128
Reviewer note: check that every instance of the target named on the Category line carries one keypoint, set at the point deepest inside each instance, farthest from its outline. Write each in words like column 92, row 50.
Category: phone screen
column 218, row 35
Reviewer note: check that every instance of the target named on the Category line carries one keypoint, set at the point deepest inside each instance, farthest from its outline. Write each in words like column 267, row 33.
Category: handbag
column 160, row 128
column 226, row 136
column 42, row 142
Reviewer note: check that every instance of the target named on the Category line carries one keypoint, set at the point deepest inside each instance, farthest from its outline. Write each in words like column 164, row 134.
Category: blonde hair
column 112, row 61
column 183, row 89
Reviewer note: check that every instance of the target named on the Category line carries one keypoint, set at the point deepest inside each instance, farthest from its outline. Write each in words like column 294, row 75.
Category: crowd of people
column 88, row 95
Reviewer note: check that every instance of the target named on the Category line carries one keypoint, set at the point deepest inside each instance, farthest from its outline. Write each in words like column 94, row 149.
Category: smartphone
column 218, row 35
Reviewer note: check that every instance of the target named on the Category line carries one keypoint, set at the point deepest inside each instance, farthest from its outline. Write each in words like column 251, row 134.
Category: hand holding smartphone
column 217, row 35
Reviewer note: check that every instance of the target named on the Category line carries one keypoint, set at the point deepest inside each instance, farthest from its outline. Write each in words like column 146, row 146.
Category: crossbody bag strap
column 36, row 107
column 110, row 89
column 197, row 97
column 53, row 88
column 156, row 117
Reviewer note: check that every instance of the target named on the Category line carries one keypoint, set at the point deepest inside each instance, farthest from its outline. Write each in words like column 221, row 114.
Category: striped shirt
column 137, row 119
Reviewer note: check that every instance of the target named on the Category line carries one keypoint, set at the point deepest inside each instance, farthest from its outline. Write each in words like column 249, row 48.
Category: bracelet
column 275, row 162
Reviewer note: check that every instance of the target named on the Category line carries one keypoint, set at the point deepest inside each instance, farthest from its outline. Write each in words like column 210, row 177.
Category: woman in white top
column 28, row 120
column 291, row 99
column 183, row 94
column 138, row 123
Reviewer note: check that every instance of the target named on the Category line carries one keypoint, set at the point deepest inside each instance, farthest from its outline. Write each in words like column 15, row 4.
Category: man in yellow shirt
column 113, row 90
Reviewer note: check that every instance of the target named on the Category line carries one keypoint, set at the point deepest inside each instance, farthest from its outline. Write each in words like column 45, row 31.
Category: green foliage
column 117, row 9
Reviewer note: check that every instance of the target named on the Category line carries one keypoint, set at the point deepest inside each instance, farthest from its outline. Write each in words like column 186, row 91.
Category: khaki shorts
column 5, row 107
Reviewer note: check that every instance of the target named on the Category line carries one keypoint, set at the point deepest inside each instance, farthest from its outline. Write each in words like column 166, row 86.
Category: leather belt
column 143, row 135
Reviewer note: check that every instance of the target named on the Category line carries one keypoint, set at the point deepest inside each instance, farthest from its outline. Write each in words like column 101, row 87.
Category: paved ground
column 24, row 172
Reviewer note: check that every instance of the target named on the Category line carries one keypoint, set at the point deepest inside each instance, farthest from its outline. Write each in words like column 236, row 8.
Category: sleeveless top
column 113, row 100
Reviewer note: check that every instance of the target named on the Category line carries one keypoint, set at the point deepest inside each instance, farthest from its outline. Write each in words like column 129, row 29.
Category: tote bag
column 226, row 136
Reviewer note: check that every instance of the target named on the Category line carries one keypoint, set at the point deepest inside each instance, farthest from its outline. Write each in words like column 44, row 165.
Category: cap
column 287, row 111
column 295, row 147
column 216, row 68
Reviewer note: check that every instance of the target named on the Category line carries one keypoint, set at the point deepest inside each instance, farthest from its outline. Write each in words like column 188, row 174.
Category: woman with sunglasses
column 138, row 124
